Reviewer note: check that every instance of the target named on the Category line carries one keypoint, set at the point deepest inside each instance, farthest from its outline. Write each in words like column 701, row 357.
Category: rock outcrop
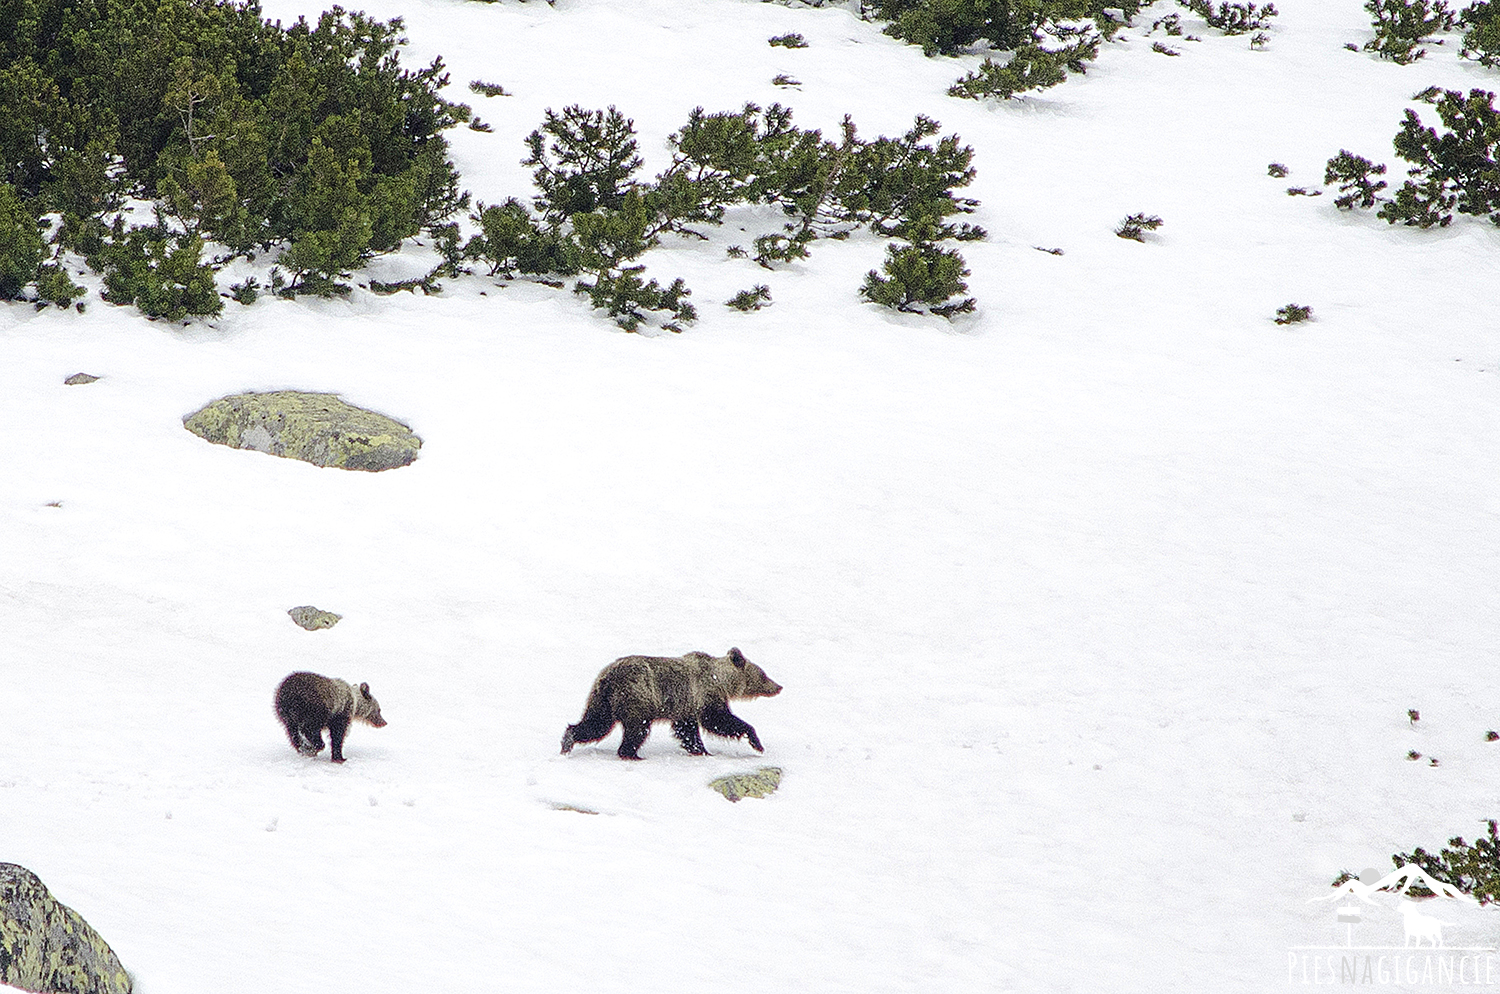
column 47, row 946
column 313, row 618
column 761, row 783
column 315, row 427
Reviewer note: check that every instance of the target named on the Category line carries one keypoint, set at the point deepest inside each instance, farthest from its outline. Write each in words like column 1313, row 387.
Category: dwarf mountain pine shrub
column 1456, row 170
column 160, row 271
column 1473, row 868
column 920, row 278
column 1293, row 314
column 217, row 114
column 20, row 244
column 1481, row 23
column 596, row 216
column 1352, row 173
column 55, row 286
column 1030, row 67
column 753, row 299
column 1401, row 26
column 1233, row 18
column 1048, row 38
column 789, row 40
column 1135, row 226
column 512, row 240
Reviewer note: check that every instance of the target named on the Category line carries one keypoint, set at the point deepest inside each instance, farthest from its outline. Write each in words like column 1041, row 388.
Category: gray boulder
column 47, row 946
column 762, row 783
column 315, row 427
column 313, row 618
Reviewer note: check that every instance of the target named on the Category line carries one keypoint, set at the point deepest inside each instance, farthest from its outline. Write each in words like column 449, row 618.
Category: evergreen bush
column 311, row 138
column 1048, row 38
column 160, row 271
column 584, row 161
column 1293, row 314
column 20, row 244
column 1401, row 26
column 1453, row 171
column 511, row 240
column 1352, row 173
column 1481, row 23
column 55, row 286
column 1473, row 868
column 920, row 277
column 1233, row 18
column 1135, row 226
column 753, row 299
column 1030, row 67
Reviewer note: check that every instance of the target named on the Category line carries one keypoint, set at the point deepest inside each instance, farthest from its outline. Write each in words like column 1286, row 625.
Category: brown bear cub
column 307, row 703
column 688, row 691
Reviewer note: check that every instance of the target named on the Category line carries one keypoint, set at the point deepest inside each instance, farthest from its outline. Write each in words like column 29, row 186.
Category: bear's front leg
column 687, row 734
column 721, row 721
column 338, row 727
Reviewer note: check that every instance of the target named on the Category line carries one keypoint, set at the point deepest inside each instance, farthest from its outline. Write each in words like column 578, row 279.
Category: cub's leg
column 311, row 735
column 338, row 727
column 687, row 734
column 720, row 721
column 636, row 730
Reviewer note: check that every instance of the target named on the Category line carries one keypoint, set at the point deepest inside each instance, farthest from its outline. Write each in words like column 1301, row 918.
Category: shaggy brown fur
column 307, row 703
column 688, row 691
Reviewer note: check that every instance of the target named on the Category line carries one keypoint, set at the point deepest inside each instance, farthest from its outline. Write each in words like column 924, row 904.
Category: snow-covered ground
column 1099, row 612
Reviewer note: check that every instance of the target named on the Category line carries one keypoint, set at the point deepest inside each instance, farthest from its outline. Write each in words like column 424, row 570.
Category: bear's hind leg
column 687, row 734
column 311, row 736
column 293, row 732
column 721, row 721
column 635, row 734
column 590, row 728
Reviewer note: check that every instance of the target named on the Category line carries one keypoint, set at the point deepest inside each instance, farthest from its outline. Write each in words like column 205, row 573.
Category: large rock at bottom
column 47, row 946
column 315, row 427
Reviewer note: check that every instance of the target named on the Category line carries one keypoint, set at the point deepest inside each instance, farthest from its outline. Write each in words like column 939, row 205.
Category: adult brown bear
column 688, row 691
column 307, row 703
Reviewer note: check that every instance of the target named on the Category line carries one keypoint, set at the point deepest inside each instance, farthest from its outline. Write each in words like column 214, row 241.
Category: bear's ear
column 364, row 688
column 737, row 657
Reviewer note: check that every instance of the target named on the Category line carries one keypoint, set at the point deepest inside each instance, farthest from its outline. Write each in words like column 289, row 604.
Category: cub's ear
column 736, row 657
column 364, row 688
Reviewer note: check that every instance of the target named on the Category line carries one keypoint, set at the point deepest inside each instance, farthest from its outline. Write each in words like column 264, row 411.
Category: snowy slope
column 1099, row 612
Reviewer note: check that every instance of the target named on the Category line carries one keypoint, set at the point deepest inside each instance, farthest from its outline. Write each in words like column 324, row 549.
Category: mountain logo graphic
column 1420, row 928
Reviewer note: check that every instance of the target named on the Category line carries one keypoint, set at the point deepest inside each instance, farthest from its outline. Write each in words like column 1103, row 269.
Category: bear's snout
column 775, row 689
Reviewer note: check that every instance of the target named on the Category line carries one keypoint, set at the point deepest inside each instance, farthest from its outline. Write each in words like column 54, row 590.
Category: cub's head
column 754, row 682
column 366, row 707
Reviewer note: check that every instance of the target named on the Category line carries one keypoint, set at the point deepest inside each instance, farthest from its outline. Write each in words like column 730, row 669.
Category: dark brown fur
column 689, row 691
column 307, row 703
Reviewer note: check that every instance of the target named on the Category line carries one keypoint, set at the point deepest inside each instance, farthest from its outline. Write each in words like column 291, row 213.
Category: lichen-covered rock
column 315, row 427
column 47, row 946
column 313, row 618
column 761, row 783
column 78, row 379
